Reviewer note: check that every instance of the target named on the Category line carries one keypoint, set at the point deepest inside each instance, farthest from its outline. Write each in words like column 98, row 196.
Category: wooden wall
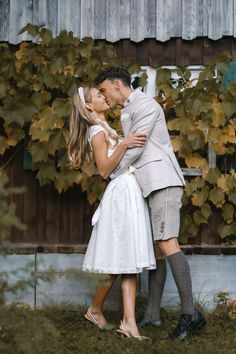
column 199, row 51
column 114, row 20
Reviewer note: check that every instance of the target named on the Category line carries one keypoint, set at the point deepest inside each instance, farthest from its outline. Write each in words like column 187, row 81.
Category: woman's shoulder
column 93, row 130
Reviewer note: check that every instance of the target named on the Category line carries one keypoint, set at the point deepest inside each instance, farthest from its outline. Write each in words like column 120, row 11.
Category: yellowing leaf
column 206, row 211
column 196, row 161
column 89, row 168
column 217, row 197
column 176, row 143
column 199, row 197
column 228, row 213
column 20, row 55
column 227, row 182
column 213, row 175
column 218, row 118
column 58, row 124
column 219, row 148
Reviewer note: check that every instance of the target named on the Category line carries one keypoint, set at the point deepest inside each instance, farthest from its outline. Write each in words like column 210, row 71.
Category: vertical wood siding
column 121, row 19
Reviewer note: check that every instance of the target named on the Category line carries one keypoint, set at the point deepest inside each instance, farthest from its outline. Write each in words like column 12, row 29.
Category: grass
column 63, row 330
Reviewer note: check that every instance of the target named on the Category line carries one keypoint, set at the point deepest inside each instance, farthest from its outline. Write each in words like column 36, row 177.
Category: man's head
column 114, row 84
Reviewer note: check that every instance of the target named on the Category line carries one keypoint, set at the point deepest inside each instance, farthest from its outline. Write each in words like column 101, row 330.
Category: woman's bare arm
column 107, row 164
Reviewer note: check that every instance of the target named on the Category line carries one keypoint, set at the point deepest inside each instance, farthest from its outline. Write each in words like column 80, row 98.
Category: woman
column 121, row 241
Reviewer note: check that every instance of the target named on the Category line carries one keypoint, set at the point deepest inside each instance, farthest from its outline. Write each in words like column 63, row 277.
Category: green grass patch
column 62, row 329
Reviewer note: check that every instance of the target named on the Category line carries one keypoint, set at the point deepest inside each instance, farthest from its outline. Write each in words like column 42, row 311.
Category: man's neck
column 126, row 92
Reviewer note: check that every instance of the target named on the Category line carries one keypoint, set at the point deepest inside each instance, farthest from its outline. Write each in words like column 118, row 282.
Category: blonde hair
column 81, row 119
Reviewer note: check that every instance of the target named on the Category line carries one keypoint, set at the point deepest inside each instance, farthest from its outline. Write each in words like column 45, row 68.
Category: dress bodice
column 95, row 129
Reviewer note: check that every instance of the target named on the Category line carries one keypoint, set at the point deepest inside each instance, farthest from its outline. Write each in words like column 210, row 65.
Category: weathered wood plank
column 112, row 20
column 52, row 215
column 76, row 217
column 69, row 15
column 52, row 16
column 150, row 18
column 40, row 12
column 138, row 29
column 87, row 19
column 163, row 20
column 176, row 19
column 228, row 18
column 125, row 18
column 4, row 19
column 215, row 19
column 100, row 19
column 21, row 13
column 29, row 207
column 189, row 19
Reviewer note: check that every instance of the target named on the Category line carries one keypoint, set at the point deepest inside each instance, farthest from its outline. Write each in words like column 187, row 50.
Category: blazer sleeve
column 144, row 119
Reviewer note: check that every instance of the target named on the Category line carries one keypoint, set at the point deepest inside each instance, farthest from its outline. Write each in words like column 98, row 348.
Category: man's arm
column 143, row 121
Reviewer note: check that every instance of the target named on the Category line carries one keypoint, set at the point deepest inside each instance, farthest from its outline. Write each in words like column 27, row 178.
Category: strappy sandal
column 90, row 317
column 126, row 333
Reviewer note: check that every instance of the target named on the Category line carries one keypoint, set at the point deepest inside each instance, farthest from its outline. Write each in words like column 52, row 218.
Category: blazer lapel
column 125, row 122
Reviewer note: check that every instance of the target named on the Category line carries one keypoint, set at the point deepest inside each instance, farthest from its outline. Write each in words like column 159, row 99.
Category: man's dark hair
column 114, row 73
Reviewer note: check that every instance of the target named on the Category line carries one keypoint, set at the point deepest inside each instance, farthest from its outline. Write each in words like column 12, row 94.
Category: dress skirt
column 121, row 240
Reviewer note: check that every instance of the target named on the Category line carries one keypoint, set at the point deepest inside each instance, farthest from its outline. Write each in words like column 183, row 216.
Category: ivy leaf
column 199, row 218
column 4, row 86
column 195, row 160
column 232, row 89
column 94, row 186
column 232, row 196
column 61, row 107
column 188, row 227
column 143, row 80
column 229, row 108
column 228, row 213
column 89, row 168
column 213, row 175
column 39, row 152
column 199, row 197
column 14, row 133
column 217, row 197
column 66, row 180
column 47, row 172
column 226, row 182
column 163, row 77
column 206, row 211
column 32, row 30
column 225, row 230
column 196, row 138
column 46, row 36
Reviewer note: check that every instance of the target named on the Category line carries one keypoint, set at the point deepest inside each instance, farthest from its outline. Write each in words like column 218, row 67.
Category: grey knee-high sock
column 181, row 273
column 157, row 280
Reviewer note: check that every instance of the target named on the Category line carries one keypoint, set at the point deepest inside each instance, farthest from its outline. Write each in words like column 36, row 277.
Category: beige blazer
column 156, row 166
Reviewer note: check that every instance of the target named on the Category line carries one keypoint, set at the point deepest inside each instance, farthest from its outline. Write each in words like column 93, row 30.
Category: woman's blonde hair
column 81, row 119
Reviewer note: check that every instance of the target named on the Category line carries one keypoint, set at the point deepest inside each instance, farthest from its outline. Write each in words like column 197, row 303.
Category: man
column 162, row 182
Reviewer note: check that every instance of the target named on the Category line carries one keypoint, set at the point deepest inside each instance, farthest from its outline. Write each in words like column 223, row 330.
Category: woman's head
column 90, row 100
column 88, row 108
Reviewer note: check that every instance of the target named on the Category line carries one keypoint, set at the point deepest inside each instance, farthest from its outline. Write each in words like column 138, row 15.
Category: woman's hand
column 134, row 140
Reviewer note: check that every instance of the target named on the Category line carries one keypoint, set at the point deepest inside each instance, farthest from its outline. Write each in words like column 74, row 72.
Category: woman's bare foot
column 99, row 316
column 130, row 328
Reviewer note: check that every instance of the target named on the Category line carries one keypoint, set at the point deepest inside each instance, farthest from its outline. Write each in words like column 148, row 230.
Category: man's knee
column 170, row 246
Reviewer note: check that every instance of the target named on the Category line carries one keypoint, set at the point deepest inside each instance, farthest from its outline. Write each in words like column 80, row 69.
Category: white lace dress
column 121, row 240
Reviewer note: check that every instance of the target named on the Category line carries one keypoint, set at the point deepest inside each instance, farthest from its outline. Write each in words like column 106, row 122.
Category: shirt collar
column 129, row 99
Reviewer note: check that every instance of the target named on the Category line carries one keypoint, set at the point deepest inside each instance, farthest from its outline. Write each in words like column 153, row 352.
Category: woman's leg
column 128, row 288
column 100, row 296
